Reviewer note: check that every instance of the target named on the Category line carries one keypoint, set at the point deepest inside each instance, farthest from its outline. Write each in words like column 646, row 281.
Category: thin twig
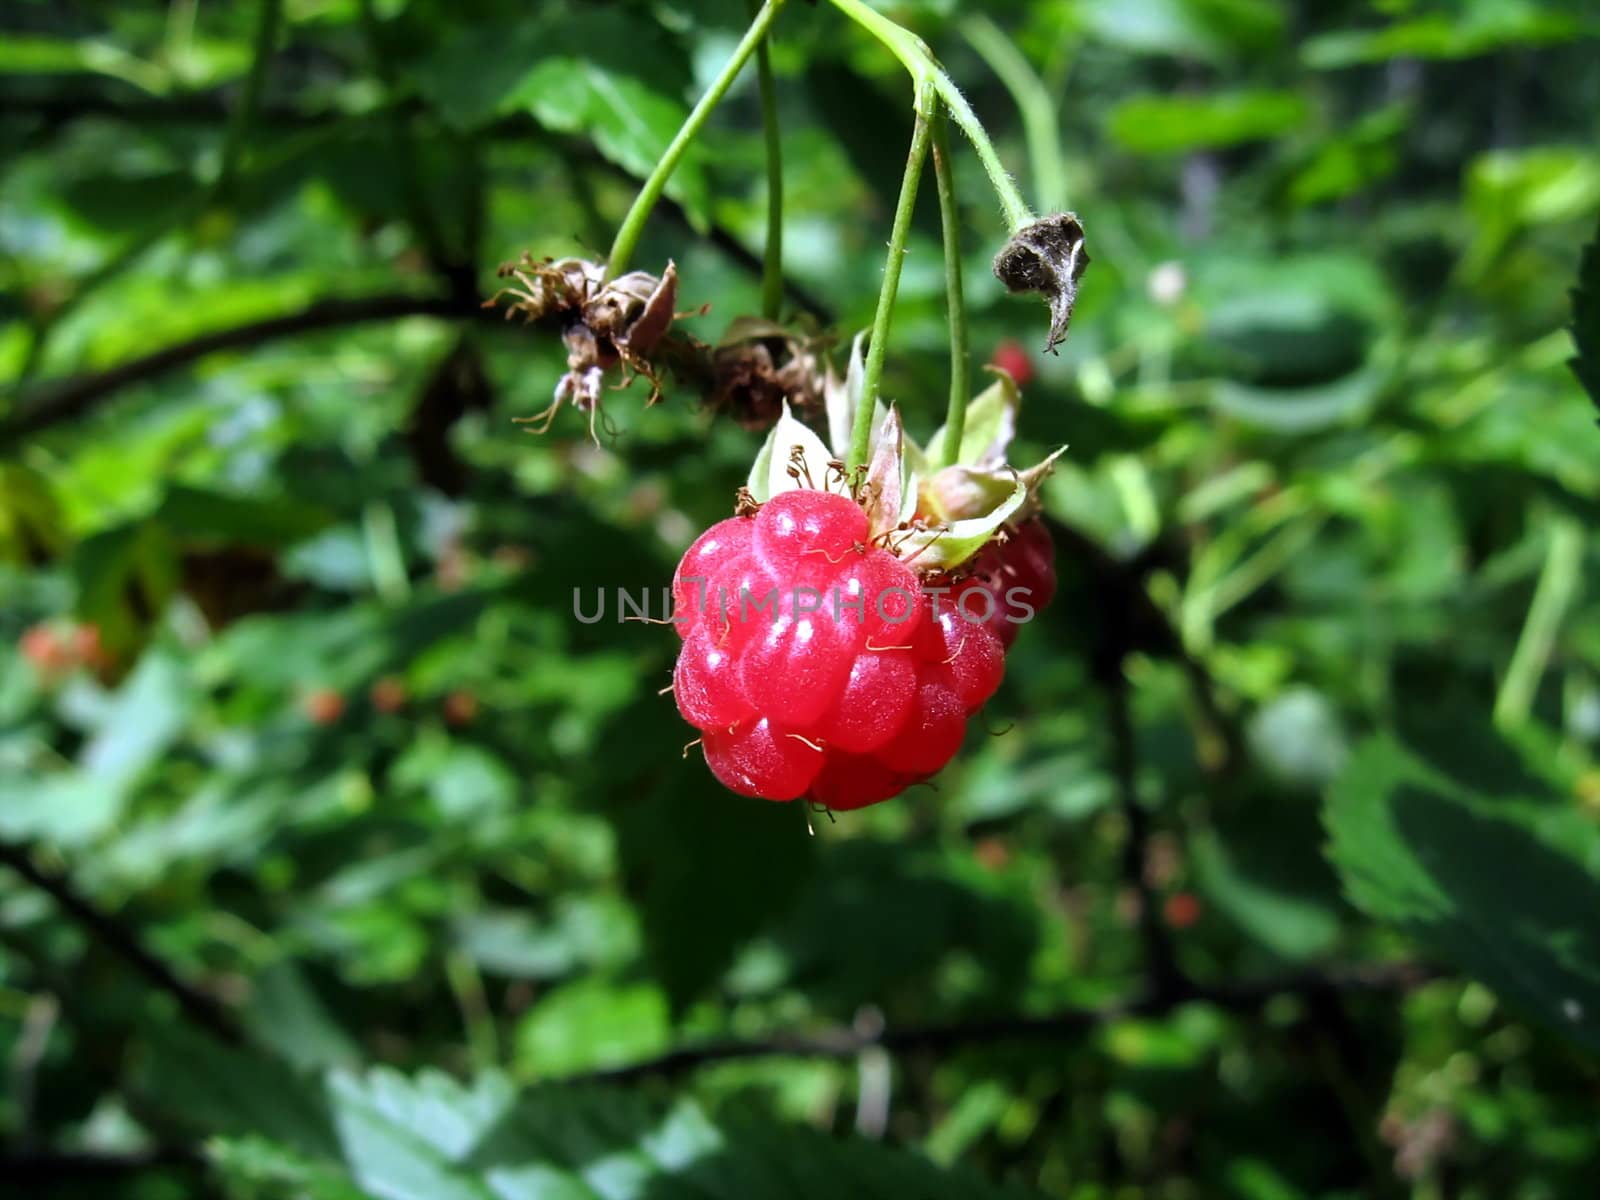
column 52, row 403
column 419, row 206
column 203, row 109
column 842, row 1042
column 123, row 942
column 1162, row 973
column 269, row 17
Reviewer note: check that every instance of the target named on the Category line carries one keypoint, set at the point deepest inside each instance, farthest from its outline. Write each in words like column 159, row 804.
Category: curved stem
column 772, row 256
column 1560, row 584
column 1033, row 101
column 914, row 54
column 269, row 18
column 955, row 297
column 627, row 239
column 921, row 132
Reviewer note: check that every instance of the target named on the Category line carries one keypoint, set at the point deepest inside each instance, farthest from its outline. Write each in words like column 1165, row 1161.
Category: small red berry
column 759, row 758
column 388, row 695
column 460, row 707
column 992, row 853
column 1181, row 910
column 323, row 706
column 1011, row 358
column 46, row 649
column 88, row 648
column 1020, row 573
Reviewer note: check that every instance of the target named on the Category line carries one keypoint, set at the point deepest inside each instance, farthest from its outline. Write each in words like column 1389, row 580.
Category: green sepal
column 770, row 473
column 947, row 545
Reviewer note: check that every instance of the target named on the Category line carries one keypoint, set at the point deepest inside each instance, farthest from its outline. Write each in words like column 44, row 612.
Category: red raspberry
column 758, row 758
column 323, row 705
column 1011, row 358
column 460, row 707
column 712, row 551
column 1020, row 573
column 388, row 695
column 814, row 666
column 46, row 649
column 1181, row 910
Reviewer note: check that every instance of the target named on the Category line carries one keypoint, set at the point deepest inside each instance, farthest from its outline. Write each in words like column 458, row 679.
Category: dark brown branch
column 1241, row 998
column 123, row 942
column 1163, row 976
column 64, row 400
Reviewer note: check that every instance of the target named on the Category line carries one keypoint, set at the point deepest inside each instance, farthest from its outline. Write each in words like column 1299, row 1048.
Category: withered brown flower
column 1046, row 256
column 758, row 365
column 604, row 324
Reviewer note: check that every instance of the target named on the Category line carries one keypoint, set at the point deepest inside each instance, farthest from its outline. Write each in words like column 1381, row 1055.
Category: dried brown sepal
column 621, row 324
column 1048, row 257
column 758, row 365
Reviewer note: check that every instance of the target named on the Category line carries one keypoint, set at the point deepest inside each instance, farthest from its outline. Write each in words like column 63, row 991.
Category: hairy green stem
column 772, row 256
column 627, row 239
column 269, row 18
column 955, row 297
column 1034, row 102
column 914, row 54
column 872, row 372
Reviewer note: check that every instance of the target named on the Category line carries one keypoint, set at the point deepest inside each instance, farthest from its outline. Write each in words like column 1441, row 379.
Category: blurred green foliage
column 293, row 703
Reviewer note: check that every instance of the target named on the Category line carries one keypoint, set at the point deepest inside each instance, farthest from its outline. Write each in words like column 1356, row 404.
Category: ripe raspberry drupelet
column 815, row 665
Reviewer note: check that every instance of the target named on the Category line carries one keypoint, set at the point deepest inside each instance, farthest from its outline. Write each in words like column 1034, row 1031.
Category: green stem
column 270, row 16
column 423, row 221
column 1034, row 102
column 921, row 134
column 955, row 297
column 1559, row 584
column 627, row 239
column 772, row 256
column 914, row 54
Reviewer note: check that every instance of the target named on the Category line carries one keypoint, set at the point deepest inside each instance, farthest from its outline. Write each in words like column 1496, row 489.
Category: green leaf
column 1300, row 410
column 124, row 578
column 146, row 717
column 591, row 1024
column 286, row 1015
column 696, row 918
column 232, row 1091
column 605, row 74
column 1484, row 29
column 1586, row 320
column 1264, row 903
column 1506, row 890
column 1154, row 124
column 30, row 515
column 430, row 1138
column 213, row 517
column 1212, row 30
column 1511, row 191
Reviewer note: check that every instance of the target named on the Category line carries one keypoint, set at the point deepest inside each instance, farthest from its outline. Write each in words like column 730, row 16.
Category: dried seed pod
column 604, row 325
column 1047, row 257
column 758, row 365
